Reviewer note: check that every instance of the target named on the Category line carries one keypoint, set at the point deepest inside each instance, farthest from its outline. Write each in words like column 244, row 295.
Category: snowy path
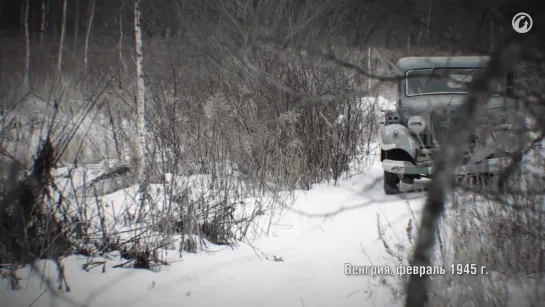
column 314, row 250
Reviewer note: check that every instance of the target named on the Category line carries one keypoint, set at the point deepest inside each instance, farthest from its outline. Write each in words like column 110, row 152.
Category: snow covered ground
column 382, row 103
column 300, row 263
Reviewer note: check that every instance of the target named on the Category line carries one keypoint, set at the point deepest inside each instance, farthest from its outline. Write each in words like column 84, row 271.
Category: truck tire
column 391, row 182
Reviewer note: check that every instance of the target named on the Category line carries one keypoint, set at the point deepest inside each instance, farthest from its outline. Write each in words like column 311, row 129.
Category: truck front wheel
column 391, row 183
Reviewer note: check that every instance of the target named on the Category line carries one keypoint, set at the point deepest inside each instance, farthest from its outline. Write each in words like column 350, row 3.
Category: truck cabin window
column 440, row 81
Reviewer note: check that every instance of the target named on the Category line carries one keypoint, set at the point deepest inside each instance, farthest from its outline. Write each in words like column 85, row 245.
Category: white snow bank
column 311, row 241
column 381, row 102
column 300, row 263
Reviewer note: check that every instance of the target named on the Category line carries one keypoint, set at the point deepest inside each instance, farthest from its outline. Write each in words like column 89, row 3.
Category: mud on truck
column 429, row 94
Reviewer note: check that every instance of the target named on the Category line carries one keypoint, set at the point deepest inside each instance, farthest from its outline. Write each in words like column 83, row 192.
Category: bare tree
column 502, row 61
column 121, row 36
column 428, row 22
column 425, row 26
column 43, row 21
column 491, row 34
column 63, row 34
column 76, row 26
column 88, row 34
column 27, row 47
column 140, row 108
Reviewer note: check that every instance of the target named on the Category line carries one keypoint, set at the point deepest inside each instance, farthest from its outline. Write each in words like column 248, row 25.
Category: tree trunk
column 121, row 35
column 63, row 34
column 76, row 26
column 491, row 34
column 43, row 22
column 428, row 24
column 368, row 70
column 27, row 47
column 141, row 109
column 449, row 158
column 88, row 34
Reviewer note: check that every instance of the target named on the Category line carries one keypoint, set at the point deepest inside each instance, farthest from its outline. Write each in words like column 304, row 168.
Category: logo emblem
column 522, row 23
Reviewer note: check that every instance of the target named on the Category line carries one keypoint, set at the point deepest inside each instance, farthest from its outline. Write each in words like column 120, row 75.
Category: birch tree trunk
column 141, row 112
column 27, row 46
column 88, row 34
column 63, row 34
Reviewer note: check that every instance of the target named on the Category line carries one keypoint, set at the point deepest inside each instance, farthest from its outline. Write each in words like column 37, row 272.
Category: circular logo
column 522, row 23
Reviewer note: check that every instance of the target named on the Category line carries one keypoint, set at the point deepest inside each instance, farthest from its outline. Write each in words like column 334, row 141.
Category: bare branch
column 304, row 97
column 503, row 61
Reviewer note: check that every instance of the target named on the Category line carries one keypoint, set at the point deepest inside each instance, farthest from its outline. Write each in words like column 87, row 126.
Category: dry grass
column 218, row 136
column 501, row 233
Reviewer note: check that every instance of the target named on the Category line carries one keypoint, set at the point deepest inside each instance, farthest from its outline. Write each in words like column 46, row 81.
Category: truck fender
column 396, row 136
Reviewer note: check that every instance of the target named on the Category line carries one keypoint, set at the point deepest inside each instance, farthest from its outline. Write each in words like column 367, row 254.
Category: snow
column 313, row 249
column 301, row 262
column 382, row 102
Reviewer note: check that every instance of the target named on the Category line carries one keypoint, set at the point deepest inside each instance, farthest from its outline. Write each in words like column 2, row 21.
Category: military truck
column 430, row 90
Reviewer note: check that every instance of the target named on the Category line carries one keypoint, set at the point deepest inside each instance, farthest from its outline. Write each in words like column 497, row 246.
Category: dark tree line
column 392, row 24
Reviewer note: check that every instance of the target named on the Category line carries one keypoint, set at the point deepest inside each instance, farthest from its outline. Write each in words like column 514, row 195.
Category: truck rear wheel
column 391, row 183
